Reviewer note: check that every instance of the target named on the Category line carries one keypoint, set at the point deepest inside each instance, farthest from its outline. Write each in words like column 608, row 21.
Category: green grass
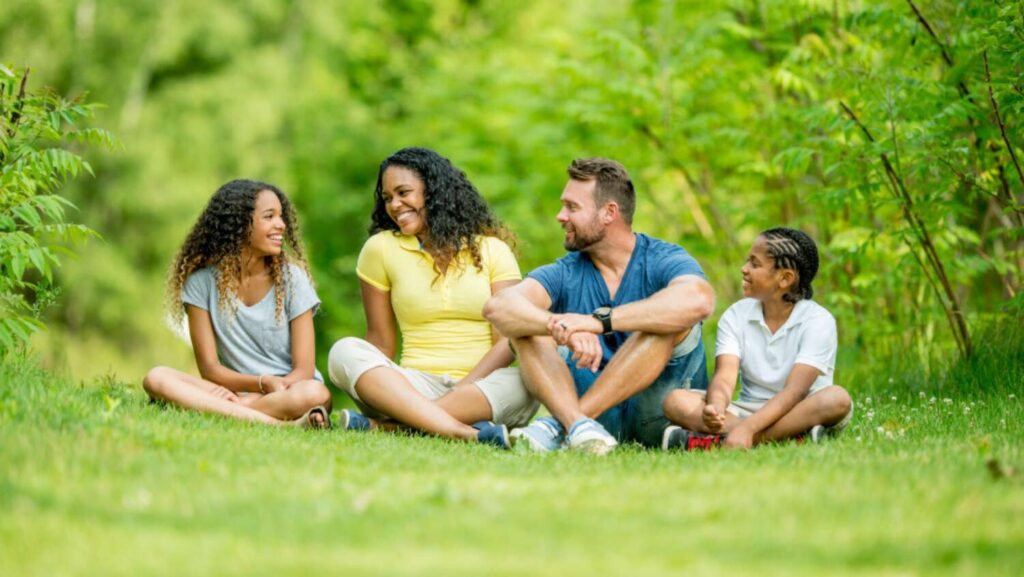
column 95, row 481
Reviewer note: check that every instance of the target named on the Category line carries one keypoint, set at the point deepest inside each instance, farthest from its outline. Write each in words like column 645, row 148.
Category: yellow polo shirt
column 443, row 330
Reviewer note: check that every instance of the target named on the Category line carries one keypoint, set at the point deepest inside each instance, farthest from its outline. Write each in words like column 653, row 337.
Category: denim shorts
column 641, row 418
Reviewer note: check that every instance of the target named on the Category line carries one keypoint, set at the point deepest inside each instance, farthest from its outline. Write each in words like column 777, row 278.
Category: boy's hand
column 740, row 438
column 713, row 420
column 274, row 383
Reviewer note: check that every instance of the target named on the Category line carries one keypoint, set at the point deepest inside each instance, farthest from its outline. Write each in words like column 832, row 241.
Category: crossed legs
column 636, row 365
column 277, row 408
column 826, row 407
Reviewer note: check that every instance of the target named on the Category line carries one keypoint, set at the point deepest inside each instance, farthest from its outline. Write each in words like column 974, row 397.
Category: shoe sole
column 518, row 439
column 597, row 447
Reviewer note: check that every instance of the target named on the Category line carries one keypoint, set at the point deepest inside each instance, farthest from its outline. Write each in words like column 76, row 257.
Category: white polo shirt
column 808, row 337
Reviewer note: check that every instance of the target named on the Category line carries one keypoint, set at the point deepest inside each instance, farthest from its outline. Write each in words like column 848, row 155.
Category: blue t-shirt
column 253, row 341
column 576, row 286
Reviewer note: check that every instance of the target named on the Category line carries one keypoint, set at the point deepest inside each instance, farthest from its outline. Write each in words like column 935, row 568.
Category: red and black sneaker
column 684, row 440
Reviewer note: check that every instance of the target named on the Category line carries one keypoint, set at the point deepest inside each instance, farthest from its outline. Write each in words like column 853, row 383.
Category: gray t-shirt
column 254, row 341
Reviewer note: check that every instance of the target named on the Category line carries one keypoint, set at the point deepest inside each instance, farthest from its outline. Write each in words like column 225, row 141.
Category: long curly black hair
column 793, row 249
column 217, row 240
column 456, row 213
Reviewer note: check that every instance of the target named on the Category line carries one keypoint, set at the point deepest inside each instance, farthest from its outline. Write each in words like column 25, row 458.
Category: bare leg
column 294, row 401
column 466, row 403
column 686, row 409
column 826, row 407
column 190, row 392
column 389, row 392
column 636, row 365
column 548, row 379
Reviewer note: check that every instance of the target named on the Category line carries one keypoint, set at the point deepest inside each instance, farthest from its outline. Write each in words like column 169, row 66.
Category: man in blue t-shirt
column 608, row 330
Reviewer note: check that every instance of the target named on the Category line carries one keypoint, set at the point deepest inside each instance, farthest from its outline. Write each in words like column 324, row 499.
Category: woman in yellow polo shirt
column 436, row 253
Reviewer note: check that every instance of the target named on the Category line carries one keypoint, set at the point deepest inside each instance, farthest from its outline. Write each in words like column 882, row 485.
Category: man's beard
column 581, row 241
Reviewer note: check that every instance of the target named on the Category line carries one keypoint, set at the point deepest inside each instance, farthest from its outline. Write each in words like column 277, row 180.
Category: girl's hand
column 740, row 438
column 713, row 420
column 273, row 383
column 227, row 395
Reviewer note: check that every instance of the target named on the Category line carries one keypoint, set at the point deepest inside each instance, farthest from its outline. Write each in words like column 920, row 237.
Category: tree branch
column 946, row 56
column 999, row 119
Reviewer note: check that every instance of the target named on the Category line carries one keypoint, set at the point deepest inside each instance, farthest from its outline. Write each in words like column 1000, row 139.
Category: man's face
column 580, row 217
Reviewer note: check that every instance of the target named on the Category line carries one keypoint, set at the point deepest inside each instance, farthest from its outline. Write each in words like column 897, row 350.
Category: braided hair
column 794, row 250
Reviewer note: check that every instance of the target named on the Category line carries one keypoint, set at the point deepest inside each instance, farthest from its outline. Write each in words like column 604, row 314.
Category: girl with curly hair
column 250, row 309
column 781, row 345
column 434, row 257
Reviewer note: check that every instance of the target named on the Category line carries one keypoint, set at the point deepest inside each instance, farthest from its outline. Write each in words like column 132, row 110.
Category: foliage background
column 728, row 113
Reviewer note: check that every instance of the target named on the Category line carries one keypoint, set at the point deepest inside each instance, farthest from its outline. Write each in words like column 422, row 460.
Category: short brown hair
column 613, row 183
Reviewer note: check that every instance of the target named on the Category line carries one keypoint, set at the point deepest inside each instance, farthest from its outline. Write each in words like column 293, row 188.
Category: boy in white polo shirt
column 781, row 344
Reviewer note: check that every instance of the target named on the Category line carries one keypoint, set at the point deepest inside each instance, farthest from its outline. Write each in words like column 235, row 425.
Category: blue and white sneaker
column 543, row 435
column 492, row 434
column 588, row 436
column 350, row 420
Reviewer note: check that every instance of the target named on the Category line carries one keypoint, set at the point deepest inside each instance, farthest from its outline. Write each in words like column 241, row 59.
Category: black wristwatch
column 604, row 314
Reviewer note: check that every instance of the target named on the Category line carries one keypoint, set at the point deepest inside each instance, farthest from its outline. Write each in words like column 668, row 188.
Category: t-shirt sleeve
column 370, row 266
column 728, row 341
column 552, row 278
column 818, row 343
column 501, row 263
column 674, row 263
column 301, row 294
column 198, row 288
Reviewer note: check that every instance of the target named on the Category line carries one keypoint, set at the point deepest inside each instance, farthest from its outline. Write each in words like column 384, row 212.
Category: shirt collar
column 756, row 314
column 409, row 242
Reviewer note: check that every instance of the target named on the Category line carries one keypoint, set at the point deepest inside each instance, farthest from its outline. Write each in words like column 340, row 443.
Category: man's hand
column 586, row 350
column 561, row 327
column 713, row 419
column 740, row 438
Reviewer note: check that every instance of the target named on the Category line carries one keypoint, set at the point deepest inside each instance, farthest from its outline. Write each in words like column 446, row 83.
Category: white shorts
column 745, row 408
column 511, row 404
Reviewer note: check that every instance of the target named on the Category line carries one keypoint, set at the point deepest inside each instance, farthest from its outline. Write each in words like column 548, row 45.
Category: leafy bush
column 38, row 132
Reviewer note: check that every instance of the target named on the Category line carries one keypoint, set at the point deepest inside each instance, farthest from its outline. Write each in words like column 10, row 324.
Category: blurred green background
column 728, row 113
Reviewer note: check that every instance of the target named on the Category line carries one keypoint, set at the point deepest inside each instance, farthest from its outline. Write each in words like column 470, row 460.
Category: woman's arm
column 204, row 345
column 500, row 354
column 798, row 383
column 381, row 327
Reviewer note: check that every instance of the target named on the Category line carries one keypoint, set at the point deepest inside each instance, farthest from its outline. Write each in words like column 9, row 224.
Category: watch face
column 603, row 311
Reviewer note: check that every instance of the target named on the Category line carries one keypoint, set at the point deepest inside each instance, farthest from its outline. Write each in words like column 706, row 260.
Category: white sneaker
column 588, row 436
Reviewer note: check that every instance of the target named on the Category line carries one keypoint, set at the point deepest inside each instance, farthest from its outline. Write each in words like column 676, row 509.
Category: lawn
column 95, row 481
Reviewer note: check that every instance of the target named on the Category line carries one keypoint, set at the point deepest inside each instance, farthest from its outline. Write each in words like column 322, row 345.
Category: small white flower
column 967, row 410
column 858, row 439
column 932, row 400
column 1013, row 396
column 891, row 380
column 892, row 398
column 867, row 401
column 880, row 429
column 920, row 394
column 948, row 401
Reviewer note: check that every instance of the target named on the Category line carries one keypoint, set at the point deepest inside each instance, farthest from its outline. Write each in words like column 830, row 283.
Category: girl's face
column 268, row 226
column 402, row 191
column 761, row 280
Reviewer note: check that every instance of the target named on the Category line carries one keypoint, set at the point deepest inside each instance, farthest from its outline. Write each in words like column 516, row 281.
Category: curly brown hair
column 456, row 212
column 217, row 240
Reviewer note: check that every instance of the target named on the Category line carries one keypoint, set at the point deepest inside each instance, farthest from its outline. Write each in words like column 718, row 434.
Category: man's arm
column 687, row 300
column 520, row 310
